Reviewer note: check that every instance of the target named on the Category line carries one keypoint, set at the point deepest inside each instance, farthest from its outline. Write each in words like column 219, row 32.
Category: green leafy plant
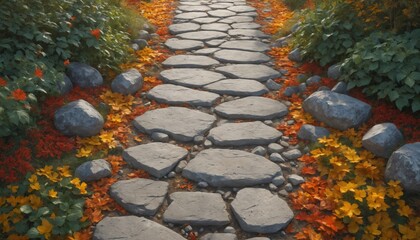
column 294, row 4
column 326, row 34
column 47, row 203
column 387, row 65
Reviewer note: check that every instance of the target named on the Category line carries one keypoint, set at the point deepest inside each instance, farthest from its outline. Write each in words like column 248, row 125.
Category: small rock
column 188, row 228
column 313, row 80
column 229, row 229
column 291, row 122
column 171, row 174
column 312, row 133
column 279, row 180
column 64, row 85
column 272, row 187
column 135, row 46
column 272, row 85
column 276, row 157
column 143, row 34
column 283, row 193
column 289, row 91
column 219, row 236
column 302, row 87
column 207, row 143
column 128, row 82
column 275, row 148
column 295, row 55
column 383, row 139
column 288, row 187
column 227, row 195
column 285, row 138
column 295, row 179
column 203, row 184
column 181, row 165
column 84, row 75
column 292, row 154
column 282, row 42
column 198, row 139
column 160, row 137
column 323, row 88
column 334, row 71
column 93, row 170
column 259, row 150
column 284, row 144
column 268, row 122
column 340, row 87
column 141, row 43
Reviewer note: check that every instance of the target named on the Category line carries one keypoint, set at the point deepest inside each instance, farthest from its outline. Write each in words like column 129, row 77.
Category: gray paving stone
column 189, row 61
column 237, row 19
column 249, row 71
column 239, row 56
column 139, row 196
column 255, row 108
column 241, row 9
column 190, row 15
column 250, row 14
column 215, row 42
column 200, row 8
column 178, row 95
column 182, row 44
column 221, row 13
column 203, row 35
column 230, row 168
column 220, row 5
column 246, row 25
column 237, row 87
column 247, row 45
column 219, row 236
column 182, row 124
column 197, row 209
column 247, row 33
column 158, row 159
column 258, row 210
column 246, row 133
column 183, row 27
column 206, row 51
column 132, row 228
column 222, row 27
column 206, row 20
column 190, row 77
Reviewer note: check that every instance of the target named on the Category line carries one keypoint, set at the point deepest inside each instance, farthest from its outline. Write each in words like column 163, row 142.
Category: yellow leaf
column 45, row 228
column 52, row 193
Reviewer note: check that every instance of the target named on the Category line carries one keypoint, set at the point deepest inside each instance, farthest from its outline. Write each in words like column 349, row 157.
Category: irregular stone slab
column 255, row 108
column 207, row 51
column 257, row 210
column 128, row 82
column 132, row 228
column 220, row 5
column 222, row 27
column 93, row 170
column 404, row 166
column 237, row 87
column 83, row 75
column 246, row 25
column 197, row 208
column 230, row 168
column 200, row 8
column 240, row 134
column 215, row 42
column 247, row 33
column 383, row 139
column 206, row 20
column 139, row 196
column 189, row 61
column 178, row 95
column 190, row 15
column 312, row 133
column 190, row 77
column 237, row 19
column 178, row 44
column 78, row 118
column 221, row 13
column 251, row 14
column 203, row 35
column 183, row 27
column 219, row 236
column 242, row 9
column 249, row 71
column 238, row 56
column 182, row 124
column 247, row 45
column 337, row 110
column 158, row 159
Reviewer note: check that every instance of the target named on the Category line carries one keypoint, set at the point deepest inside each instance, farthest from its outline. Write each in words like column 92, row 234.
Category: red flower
column 73, row 18
column 2, row 82
column 96, row 33
column 38, row 72
column 19, row 95
column 66, row 62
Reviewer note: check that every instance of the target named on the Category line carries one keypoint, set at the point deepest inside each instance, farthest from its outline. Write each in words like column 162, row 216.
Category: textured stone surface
column 183, row 27
column 190, row 77
column 183, row 44
column 240, row 134
column 200, row 8
column 206, row 51
column 203, row 35
column 178, row 95
column 64, row 85
column 312, row 133
column 220, row 5
column 128, row 82
column 340, row 87
column 404, row 166
column 78, row 118
column 139, row 196
column 190, row 15
column 219, row 236
column 221, row 13
column 222, row 27
column 93, row 170
column 241, row 9
column 337, row 110
column 383, row 139
column 230, row 168
column 257, row 210
column 247, row 33
column 84, row 75
column 180, row 123
column 246, row 25
column 247, row 45
column 215, row 42
column 334, row 71
column 237, row 87
column 158, row 159
column 197, row 208
column 189, row 61
column 295, row 55
column 132, row 228
column 237, row 19
column 249, row 71
column 257, row 108
column 206, row 20
column 239, row 56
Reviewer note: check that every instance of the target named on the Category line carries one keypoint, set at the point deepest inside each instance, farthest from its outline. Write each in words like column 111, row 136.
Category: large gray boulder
column 78, row 118
column 93, row 170
column 404, row 166
column 84, row 75
column 128, row 82
column 337, row 110
column 382, row 139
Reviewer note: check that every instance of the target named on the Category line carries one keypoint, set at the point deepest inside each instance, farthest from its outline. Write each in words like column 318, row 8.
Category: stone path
column 238, row 163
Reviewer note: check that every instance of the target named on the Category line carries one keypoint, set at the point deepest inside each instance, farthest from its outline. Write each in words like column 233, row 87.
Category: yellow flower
column 75, row 181
column 395, row 190
column 82, row 188
column 52, row 193
column 359, row 195
column 35, row 201
column 13, row 188
column 348, row 210
column 106, row 137
column 376, row 198
column 353, row 226
column 45, row 228
column 84, row 152
column 347, row 186
column 64, row 171
column 404, row 210
column 351, row 155
column 33, row 178
column 407, row 232
column 53, row 177
column 35, row 186
column 373, row 229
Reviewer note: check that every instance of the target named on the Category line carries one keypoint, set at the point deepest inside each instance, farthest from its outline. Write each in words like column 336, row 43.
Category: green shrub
column 387, row 65
column 326, row 34
column 294, row 4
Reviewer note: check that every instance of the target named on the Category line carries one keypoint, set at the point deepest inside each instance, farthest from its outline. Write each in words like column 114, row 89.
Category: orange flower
column 66, row 62
column 96, row 33
column 73, row 18
column 2, row 82
column 19, row 95
column 38, row 72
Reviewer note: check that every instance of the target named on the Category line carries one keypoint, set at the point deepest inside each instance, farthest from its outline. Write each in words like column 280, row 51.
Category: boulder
column 337, row 110
column 78, row 118
column 334, row 71
column 295, row 55
column 340, row 87
column 128, row 82
column 404, row 166
column 84, row 75
column 93, row 170
column 382, row 139
column 312, row 133
column 64, row 85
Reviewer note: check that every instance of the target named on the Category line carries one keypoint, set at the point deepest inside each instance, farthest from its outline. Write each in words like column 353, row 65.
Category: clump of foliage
column 294, row 4
column 46, row 203
column 387, row 65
